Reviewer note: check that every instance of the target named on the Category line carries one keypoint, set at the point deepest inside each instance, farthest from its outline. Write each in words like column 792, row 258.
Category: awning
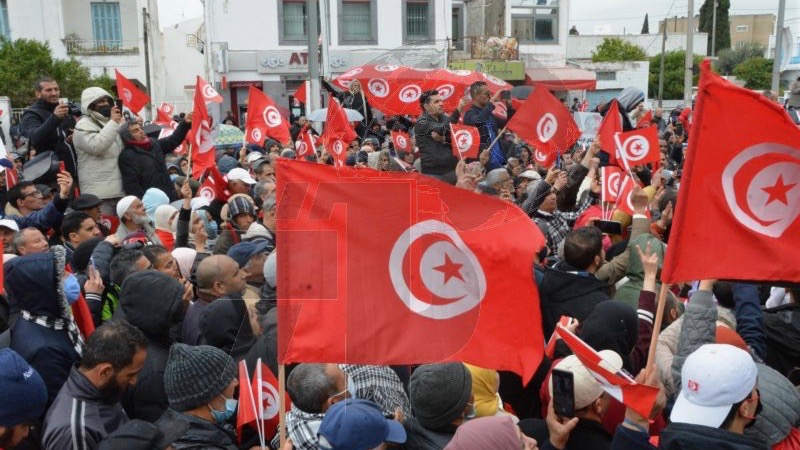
column 561, row 78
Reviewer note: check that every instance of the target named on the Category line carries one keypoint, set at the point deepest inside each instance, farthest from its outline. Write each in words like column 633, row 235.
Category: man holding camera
column 48, row 123
column 432, row 136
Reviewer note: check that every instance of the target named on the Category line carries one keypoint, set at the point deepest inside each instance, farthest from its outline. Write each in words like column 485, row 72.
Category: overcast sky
column 590, row 16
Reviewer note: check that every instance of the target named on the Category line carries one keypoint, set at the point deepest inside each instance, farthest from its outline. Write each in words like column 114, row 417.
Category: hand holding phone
column 61, row 167
column 563, row 393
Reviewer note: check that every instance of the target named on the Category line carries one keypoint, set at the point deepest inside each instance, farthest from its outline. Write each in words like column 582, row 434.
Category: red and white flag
column 615, row 381
column 402, row 141
column 609, row 127
column 465, row 140
column 455, row 277
column 203, row 154
column 208, row 92
column 214, row 186
column 638, row 147
column 246, row 411
column 544, row 159
column 131, row 96
column 338, row 133
column 305, row 143
column 625, row 196
column 264, row 120
column 646, row 120
column 611, row 177
column 738, row 211
column 265, row 392
column 165, row 112
column 544, row 122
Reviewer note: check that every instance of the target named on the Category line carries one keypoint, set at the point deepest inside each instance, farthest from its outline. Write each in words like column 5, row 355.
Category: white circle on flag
column 378, row 87
column 338, row 147
column 446, row 91
column 540, row 156
column 635, row 148
column 209, row 92
column 613, row 183
column 386, row 68
column 256, row 136
column 402, row 142
column 127, row 95
column 301, row 147
column 206, row 192
column 271, row 116
column 167, row 108
column 269, row 400
column 351, row 73
column 461, row 73
column 447, row 269
column 463, row 140
column 547, row 127
column 410, row 93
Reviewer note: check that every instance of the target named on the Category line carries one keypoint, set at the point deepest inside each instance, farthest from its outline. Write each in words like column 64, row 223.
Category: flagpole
column 651, row 354
column 281, row 400
column 497, row 138
column 452, row 143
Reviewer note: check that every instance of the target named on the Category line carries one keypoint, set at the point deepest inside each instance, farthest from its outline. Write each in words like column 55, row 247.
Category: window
column 5, row 30
column 742, row 28
column 106, row 26
column 418, row 21
column 533, row 23
column 357, row 22
column 293, row 21
column 606, row 76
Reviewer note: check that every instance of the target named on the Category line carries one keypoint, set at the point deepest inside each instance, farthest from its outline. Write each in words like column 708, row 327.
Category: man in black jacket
column 432, row 135
column 142, row 161
column 48, row 124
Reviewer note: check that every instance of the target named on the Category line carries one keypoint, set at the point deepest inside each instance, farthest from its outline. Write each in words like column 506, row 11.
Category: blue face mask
column 223, row 416
column 211, row 227
column 173, row 177
column 71, row 288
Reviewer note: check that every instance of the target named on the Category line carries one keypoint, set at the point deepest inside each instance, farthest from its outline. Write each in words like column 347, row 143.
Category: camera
column 74, row 109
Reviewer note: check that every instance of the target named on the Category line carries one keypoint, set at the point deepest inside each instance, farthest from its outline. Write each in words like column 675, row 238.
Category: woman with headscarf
column 191, row 231
column 165, row 220
column 485, row 384
column 496, row 433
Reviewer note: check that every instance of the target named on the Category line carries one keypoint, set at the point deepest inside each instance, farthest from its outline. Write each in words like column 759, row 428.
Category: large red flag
column 638, row 147
column 338, row 133
column 545, row 160
column 466, row 141
column 165, row 112
column 131, row 96
column 612, row 179
column 264, row 120
column 208, row 92
column 265, row 392
column 441, row 274
column 203, row 154
column 739, row 201
column 543, row 122
column 609, row 127
column 615, row 381
column 402, row 141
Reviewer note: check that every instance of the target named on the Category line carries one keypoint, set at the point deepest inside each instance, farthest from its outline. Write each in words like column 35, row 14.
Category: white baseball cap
column 198, row 202
column 713, row 378
column 242, row 175
column 10, row 224
column 254, row 156
column 531, row 175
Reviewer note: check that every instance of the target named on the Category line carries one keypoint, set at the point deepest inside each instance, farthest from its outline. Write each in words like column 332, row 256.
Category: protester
column 480, row 115
column 31, row 210
column 24, row 398
column 218, row 276
column 432, row 134
column 358, row 425
column 239, row 214
column 133, row 219
column 353, row 98
column 498, row 433
column 90, row 204
column 77, row 228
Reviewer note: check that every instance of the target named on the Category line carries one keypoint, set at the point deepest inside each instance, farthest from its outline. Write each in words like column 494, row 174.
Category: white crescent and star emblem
column 272, row 117
column 378, row 87
column 547, row 127
column 463, row 140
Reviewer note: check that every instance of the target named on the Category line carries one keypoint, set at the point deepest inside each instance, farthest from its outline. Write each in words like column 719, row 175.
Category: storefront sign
column 296, row 62
column 505, row 70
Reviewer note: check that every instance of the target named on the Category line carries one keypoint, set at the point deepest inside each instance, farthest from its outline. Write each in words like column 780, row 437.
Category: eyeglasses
column 33, row 193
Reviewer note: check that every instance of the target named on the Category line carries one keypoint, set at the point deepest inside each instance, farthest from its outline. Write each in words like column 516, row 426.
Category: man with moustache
column 87, row 409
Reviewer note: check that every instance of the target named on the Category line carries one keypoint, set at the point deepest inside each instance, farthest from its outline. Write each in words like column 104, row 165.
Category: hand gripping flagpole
column 496, row 139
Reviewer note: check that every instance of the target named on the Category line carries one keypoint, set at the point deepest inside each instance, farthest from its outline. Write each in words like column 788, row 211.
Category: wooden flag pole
column 496, row 139
column 282, row 402
column 651, row 354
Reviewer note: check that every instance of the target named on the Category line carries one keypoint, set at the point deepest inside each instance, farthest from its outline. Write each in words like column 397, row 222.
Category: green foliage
column 23, row 61
column 646, row 25
column 617, row 49
column 723, row 37
column 673, row 74
column 756, row 72
column 732, row 57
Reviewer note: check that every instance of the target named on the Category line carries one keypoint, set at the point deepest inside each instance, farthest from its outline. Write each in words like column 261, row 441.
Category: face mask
column 104, row 111
column 71, row 288
column 223, row 416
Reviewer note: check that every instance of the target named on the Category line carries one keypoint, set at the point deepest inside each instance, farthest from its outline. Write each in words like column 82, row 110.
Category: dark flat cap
column 85, row 201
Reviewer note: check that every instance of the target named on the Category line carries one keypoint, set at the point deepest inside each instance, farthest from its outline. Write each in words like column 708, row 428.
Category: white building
column 581, row 46
column 179, row 60
column 102, row 35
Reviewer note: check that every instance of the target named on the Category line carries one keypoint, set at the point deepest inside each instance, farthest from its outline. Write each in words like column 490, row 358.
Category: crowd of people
column 177, row 289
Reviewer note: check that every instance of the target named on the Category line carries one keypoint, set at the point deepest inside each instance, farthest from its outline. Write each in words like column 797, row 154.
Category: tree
column 723, row 34
column 646, row 25
column 730, row 58
column 673, row 74
column 617, row 49
column 756, row 72
column 23, row 61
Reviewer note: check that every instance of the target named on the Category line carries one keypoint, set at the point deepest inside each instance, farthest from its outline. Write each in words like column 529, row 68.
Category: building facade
column 743, row 27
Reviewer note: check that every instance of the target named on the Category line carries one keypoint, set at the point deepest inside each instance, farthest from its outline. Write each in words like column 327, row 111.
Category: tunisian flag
column 466, row 141
column 164, row 112
column 612, row 180
column 638, row 147
column 203, row 154
column 338, row 133
column 214, row 186
column 646, row 120
column 131, row 96
column 305, row 143
column 402, row 141
column 543, row 122
column 739, row 201
column 625, row 190
column 615, row 381
column 609, row 127
column 441, row 274
column 264, row 120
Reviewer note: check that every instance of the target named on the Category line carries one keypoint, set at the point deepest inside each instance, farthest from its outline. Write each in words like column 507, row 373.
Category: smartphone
column 609, row 226
column 505, row 95
column 558, row 161
column 118, row 103
column 563, row 393
column 61, row 167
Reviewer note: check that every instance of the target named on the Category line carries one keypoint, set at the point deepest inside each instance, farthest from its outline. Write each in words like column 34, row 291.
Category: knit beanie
column 22, row 390
column 196, row 374
column 439, row 393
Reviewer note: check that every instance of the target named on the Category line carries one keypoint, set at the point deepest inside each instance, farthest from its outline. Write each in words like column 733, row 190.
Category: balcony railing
column 92, row 47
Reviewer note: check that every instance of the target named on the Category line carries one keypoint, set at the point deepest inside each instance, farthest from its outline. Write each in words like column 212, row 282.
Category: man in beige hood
column 98, row 145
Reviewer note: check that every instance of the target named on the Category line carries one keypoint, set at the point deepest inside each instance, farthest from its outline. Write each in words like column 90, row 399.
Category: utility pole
column 661, row 69
column 776, row 62
column 325, row 34
column 313, row 57
column 714, row 30
column 145, row 20
column 688, row 70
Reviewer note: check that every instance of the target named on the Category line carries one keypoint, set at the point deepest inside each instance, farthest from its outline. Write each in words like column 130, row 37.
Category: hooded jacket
column 195, row 433
column 225, row 324
column 98, row 145
column 421, row 438
column 684, row 436
column 564, row 292
column 145, row 168
column 159, row 318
